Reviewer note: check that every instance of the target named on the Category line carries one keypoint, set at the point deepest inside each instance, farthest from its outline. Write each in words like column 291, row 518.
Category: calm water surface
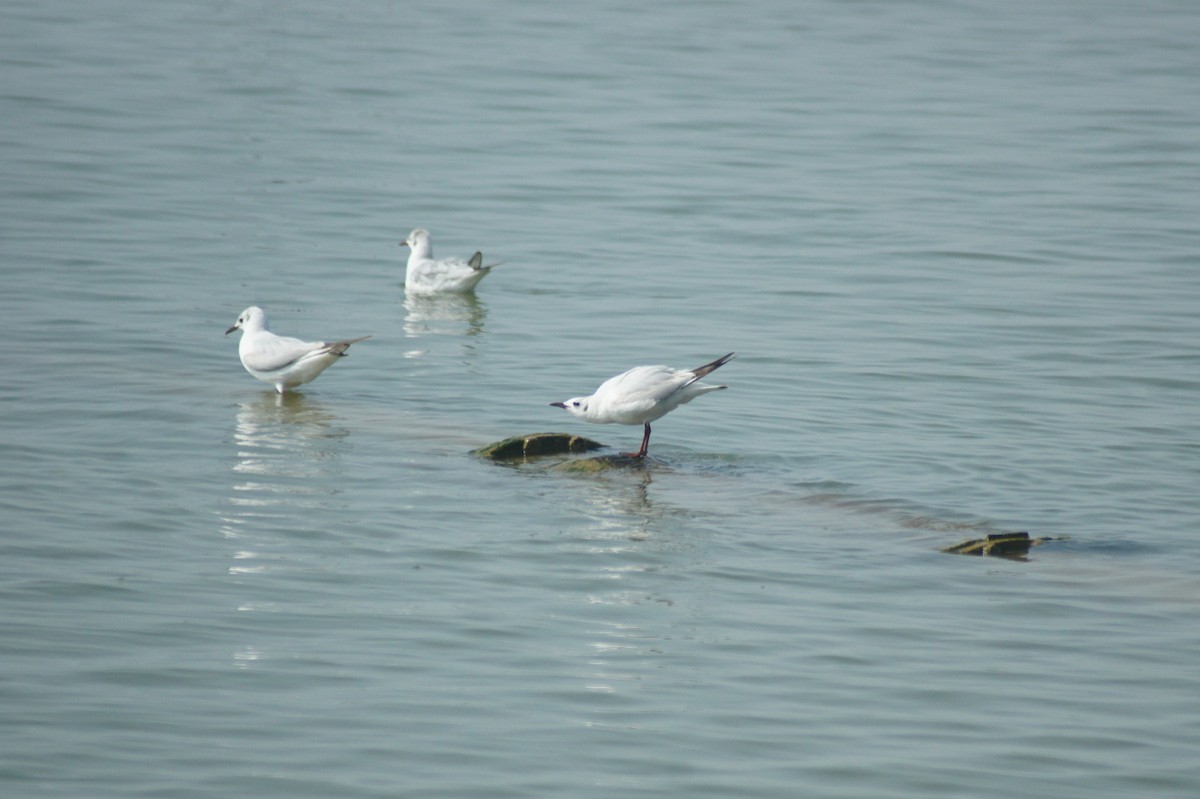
column 953, row 243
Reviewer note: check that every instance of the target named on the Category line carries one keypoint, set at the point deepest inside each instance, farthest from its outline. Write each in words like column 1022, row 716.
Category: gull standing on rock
column 641, row 395
column 279, row 360
column 427, row 275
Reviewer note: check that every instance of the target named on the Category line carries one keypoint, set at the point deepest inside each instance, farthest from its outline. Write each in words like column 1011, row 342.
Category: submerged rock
column 536, row 444
column 1004, row 545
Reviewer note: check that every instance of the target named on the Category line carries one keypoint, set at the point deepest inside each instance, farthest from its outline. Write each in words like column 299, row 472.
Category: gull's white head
column 253, row 318
column 576, row 406
column 420, row 242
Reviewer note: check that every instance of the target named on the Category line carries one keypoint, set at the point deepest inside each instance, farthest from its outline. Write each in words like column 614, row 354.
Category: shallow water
column 953, row 244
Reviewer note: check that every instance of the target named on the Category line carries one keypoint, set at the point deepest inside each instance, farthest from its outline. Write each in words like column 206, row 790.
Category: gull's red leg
column 641, row 453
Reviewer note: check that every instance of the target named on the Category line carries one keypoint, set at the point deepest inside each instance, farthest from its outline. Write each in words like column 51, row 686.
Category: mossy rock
column 600, row 463
column 536, row 444
column 1004, row 545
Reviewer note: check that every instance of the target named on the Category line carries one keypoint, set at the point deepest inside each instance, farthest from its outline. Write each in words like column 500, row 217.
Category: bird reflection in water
column 287, row 474
column 626, row 549
column 620, row 508
column 444, row 315
column 288, row 461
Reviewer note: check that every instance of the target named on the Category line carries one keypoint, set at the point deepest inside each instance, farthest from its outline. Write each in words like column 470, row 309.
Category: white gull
column 641, row 395
column 428, row 275
column 282, row 361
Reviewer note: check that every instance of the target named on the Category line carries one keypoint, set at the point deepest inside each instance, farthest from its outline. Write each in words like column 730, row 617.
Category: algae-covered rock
column 1004, row 545
column 536, row 444
column 599, row 463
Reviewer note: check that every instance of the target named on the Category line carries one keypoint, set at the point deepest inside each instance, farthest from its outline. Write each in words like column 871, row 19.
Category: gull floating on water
column 279, row 360
column 427, row 275
column 641, row 395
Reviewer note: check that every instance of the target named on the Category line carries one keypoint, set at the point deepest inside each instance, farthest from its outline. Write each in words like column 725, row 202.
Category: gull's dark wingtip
column 340, row 347
column 709, row 368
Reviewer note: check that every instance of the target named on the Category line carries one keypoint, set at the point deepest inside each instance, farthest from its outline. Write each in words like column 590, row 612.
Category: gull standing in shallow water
column 279, row 360
column 426, row 275
column 641, row 395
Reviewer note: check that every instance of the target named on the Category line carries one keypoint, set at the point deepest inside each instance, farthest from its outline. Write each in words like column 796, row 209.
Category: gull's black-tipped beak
column 230, row 330
column 562, row 405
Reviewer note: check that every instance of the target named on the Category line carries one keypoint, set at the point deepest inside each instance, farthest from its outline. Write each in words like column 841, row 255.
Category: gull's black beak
column 562, row 405
column 230, row 330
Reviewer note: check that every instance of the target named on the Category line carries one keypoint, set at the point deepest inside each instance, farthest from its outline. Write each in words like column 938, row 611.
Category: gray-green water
column 953, row 243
